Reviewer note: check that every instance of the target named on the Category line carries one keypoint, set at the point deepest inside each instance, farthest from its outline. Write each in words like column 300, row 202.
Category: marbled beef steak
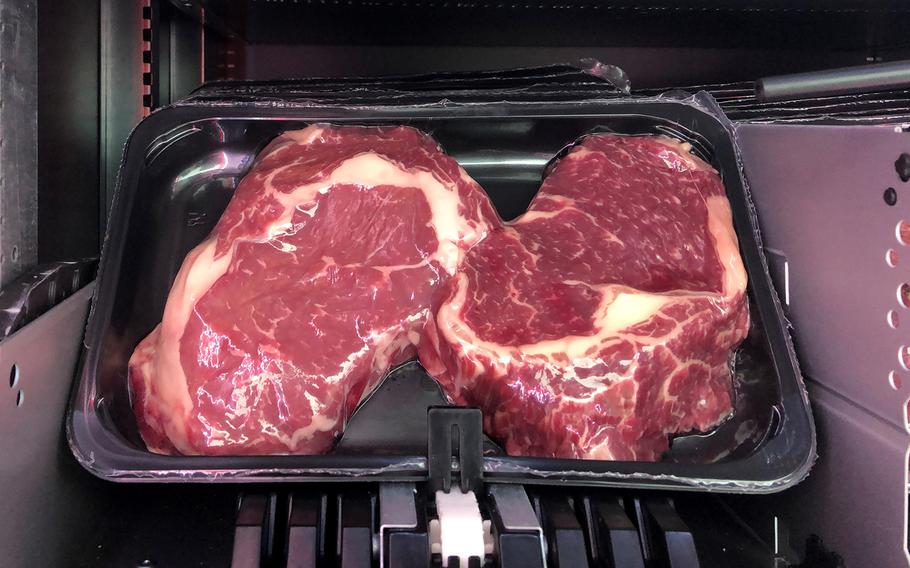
column 594, row 326
column 318, row 278
column 604, row 318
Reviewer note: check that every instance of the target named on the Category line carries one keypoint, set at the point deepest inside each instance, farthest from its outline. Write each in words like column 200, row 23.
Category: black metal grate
column 581, row 528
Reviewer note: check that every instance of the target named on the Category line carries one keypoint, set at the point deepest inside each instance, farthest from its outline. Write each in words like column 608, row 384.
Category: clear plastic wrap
column 184, row 162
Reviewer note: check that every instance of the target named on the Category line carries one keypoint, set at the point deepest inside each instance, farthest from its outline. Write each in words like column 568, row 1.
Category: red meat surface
column 596, row 325
column 603, row 319
column 318, row 277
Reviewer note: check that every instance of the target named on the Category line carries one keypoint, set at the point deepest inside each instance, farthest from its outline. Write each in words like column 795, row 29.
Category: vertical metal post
column 18, row 137
column 121, row 88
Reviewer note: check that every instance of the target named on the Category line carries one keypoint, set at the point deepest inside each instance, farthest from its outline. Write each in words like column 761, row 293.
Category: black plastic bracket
column 454, row 448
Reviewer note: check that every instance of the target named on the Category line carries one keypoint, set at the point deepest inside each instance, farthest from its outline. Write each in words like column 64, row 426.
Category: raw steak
column 603, row 319
column 317, row 278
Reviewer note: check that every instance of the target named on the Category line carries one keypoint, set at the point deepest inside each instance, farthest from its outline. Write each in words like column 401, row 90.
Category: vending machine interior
column 126, row 127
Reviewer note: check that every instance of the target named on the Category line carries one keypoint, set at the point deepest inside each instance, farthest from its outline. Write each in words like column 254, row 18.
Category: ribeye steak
column 317, row 278
column 603, row 319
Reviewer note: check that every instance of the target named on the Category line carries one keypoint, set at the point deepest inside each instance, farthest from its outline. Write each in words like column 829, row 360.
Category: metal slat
column 519, row 536
column 305, row 531
column 355, row 530
column 565, row 537
column 252, row 531
column 614, row 539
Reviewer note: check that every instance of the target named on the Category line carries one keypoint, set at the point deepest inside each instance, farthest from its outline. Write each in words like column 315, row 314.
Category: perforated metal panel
column 828, row 221
column 47, row 502
column 820, row 192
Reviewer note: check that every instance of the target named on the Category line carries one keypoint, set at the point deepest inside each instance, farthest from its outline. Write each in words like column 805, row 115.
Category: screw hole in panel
column 893, row 319
column 890, row 196
column 903, row 356
column 902, row 232
column 14, row 376
column 903, row 295
column 894, row 380
column 891, row 258
column 20, row 398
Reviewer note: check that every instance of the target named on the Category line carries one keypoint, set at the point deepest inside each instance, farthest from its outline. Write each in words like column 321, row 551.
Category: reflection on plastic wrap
column 609, row 73
column 587, row 80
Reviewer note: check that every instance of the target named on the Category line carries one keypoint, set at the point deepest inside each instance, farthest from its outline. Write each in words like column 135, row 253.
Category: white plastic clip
column 459, row 531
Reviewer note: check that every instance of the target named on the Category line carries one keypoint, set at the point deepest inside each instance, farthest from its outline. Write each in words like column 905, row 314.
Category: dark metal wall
column 762, row 24
column 90, row 62
column 120, row 87
column 68, row 97
column 647, row 67
column 659, row 43
column 89, row 99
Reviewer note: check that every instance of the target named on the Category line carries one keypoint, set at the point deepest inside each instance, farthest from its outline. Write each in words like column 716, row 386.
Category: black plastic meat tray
column 180, row 167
